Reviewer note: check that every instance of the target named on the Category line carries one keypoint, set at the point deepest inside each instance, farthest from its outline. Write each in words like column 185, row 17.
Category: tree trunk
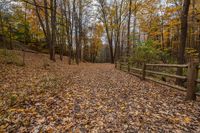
column 53, row 7
column 128, row 30
column 2, row 31
column 69, row 28
column 184, row 27
column 192, row 41
column 162, row 34
column 80, row 29
column 10, row 36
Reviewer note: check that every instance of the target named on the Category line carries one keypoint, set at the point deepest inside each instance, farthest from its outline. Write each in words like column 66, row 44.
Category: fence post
column 115, row 64
column 23, row 56
column 143, row 71
column 128, row 66
column 191, row 80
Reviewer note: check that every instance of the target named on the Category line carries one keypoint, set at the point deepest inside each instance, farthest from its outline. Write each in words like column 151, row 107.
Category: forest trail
column 88, row 98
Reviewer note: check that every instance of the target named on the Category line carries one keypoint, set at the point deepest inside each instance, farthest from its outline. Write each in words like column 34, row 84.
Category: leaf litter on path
column 88, row 98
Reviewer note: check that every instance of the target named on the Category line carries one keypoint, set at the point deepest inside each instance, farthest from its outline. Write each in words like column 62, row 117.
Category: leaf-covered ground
column 55, row 97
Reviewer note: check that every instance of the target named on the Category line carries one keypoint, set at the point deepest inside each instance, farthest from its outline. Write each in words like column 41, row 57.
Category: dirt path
column 88, row 98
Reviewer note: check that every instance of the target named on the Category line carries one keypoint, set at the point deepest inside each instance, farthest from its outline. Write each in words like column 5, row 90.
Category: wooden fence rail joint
column 191, row 80
column 143, row 71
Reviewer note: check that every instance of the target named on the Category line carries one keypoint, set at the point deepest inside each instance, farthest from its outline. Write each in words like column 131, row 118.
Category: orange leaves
column 89, row 98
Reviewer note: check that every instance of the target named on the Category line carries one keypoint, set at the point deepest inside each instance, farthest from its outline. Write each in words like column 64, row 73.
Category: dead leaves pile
column 88, row 98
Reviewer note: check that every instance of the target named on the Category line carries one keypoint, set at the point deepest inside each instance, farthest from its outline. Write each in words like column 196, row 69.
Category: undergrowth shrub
column 145, row 52
column 149, row 52
column 165, row 56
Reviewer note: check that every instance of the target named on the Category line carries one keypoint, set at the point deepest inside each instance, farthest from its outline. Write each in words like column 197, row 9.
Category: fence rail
column 168, row 65
column 192, row 75
column 136, row 69
column 198, row 80
column 168, row 75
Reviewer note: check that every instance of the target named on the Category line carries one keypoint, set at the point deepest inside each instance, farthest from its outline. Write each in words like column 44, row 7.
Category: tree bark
column 128, row 30
column 53, row 7
column 184, row 28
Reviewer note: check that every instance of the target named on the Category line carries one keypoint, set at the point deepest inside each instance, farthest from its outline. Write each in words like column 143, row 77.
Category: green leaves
column 145, row 52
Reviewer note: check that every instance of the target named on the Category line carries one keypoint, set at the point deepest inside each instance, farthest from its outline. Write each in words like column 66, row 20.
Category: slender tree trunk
column 162, row 34
column 50, row 35
column 25, row 33
column 134, row 24
column 80, row 29
column 40, row 20
column 184, row 28
column 48, row 32
column 10, row 36
column 61, row 37
column 192, row 41
column 69, row 27
column 53, row 7
column 77, row 41
column 199, row 43
column 2, row 31
column 122, row 43
column 128, row 30
column 168, row 38
column 75, row 15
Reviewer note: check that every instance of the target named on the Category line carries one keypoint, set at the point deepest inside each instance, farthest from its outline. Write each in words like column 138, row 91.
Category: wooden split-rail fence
column 191, row 77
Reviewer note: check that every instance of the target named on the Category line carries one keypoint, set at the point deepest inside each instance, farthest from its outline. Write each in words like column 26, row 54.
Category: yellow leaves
column 110, row 110
column 96, row 39
column 112, row 12
column 171, row 10
column 123, row 107
column 17, row 110
column 187, row 120
column 180, row 120
column 100, row 106
column 99, row 30
column 175, row 120
column 3, row 127
column 113, row 26
column 69, row 126
column 31, row 111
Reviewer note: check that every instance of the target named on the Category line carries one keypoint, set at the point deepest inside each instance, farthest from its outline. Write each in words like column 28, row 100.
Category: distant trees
column 106, row 18
column 69, row 27
column 68, row 18
column 112, row 15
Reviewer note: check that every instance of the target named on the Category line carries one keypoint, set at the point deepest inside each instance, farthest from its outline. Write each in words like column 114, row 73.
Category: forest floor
column 55, row 97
